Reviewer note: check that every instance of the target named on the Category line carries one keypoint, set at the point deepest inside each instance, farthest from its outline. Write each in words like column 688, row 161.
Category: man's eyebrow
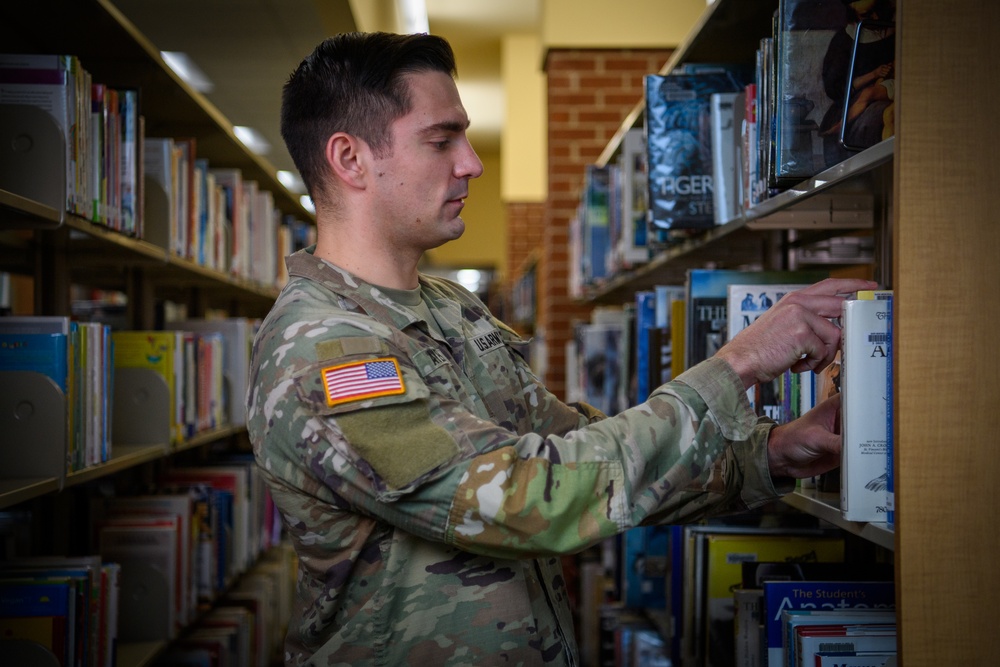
column 446, row 126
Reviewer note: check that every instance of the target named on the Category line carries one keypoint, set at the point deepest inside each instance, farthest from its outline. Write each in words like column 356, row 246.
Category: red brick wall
column 589, row 94
column 525, row 227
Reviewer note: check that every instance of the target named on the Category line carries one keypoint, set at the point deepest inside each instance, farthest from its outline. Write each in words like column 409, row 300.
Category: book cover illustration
column 707, row 295
column 814, row 46
column 679, row 149
column 745, row 303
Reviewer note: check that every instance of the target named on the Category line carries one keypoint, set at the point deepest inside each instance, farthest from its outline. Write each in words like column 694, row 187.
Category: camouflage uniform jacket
column 429, row 509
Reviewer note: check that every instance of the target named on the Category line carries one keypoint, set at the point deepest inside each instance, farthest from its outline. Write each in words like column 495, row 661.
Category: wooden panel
column 946, row 274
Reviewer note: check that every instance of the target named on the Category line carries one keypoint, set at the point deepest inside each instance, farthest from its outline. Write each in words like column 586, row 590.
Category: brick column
column 590, row 91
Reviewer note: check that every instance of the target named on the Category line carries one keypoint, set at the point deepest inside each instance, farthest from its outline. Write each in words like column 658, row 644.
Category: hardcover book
column 745, row 303
column 679, row 149
column 725, row 171
column 161, row 352
column 814, row 597
column 813, row 54
column 42, row 613
column 863, row 410
column 707, row 312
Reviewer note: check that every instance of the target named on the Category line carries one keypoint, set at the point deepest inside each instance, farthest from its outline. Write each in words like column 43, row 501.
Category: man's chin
column 451, row 231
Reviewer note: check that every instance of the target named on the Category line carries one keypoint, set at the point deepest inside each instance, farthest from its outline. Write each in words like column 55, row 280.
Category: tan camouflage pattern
column 440, row 545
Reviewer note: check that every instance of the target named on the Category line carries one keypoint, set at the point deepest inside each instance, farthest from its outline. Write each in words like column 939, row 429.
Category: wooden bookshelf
column 932, row 208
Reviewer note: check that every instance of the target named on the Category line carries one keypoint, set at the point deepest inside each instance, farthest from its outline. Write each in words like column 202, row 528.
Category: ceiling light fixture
column 252, row 139
column 412, row 16
column 184, row 67
column 291, row 181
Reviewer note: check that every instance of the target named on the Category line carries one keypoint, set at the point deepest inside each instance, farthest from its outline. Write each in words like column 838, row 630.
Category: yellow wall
column 631, row 23
column 523, row 142
column 484, row 244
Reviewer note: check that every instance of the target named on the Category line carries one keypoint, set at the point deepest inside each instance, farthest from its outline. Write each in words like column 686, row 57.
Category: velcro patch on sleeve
column 359, row 380
column 400, row 442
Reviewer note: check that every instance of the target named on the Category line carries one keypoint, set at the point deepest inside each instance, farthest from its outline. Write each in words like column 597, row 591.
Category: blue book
column 41, row 611
column 645, row 319
column 43, row 353
column 814, row 596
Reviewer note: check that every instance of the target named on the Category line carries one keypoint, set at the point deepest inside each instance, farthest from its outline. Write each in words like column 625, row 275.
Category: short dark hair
column 353, row 83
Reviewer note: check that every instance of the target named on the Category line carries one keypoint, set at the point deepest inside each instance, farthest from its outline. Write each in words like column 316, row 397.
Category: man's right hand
column 795, row 333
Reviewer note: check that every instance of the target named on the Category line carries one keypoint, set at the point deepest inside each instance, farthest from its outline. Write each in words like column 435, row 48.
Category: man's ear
column 344, row 155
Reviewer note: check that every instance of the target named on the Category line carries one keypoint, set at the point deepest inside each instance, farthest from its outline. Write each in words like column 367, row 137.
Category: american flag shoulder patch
column 362, row 379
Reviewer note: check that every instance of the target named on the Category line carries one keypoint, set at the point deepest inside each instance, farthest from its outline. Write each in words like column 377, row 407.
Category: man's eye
column 440, row 145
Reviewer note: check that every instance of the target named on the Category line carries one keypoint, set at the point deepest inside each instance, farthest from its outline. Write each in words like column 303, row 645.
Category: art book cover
column 863, row 409
column 814, row 49
column 679, row 149
column 707, row 294
column 632, row 246
column 725, row 168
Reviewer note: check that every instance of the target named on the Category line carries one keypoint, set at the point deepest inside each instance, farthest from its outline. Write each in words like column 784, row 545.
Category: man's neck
column 373, row 265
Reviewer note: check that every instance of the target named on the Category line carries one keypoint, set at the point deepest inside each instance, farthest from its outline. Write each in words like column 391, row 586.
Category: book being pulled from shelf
column 863, row 385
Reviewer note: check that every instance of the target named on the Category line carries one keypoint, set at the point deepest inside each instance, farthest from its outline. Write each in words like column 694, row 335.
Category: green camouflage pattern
column 429, row 525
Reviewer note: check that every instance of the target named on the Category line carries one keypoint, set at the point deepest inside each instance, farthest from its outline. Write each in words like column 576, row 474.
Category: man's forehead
column 435, row 102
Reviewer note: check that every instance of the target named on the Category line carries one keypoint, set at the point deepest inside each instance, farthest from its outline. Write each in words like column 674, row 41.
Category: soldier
column 427, row 479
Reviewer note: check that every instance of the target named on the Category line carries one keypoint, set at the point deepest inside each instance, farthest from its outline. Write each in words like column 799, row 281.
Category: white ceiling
column 249, row 47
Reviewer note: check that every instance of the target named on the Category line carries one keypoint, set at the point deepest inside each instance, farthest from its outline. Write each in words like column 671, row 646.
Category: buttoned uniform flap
column 380, row 415
column 514, row 341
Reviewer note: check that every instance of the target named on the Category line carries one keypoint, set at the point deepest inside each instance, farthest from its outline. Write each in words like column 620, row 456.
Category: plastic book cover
column 813, row 56
column 863, row 409
column 707, row 295
column 679, row 149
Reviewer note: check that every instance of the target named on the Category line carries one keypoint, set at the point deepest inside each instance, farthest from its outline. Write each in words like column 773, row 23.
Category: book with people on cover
column 814, row 51
column 707, row 295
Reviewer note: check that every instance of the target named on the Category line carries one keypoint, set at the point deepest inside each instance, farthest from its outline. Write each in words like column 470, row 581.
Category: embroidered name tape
column 488, row 341
column 362, row 379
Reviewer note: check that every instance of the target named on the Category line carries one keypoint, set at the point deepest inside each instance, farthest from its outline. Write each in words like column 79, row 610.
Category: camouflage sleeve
column 423, row 461
column 694, row 448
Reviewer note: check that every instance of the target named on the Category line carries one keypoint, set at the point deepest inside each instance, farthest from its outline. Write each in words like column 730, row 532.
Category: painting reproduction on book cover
column 815, row 51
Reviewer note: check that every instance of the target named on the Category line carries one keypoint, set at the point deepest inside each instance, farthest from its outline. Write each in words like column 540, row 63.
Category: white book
column 863, row 410
column 725, row 179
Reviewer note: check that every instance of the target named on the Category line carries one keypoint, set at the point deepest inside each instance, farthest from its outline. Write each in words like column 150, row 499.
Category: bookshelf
column 929, row 203
column 53, row 250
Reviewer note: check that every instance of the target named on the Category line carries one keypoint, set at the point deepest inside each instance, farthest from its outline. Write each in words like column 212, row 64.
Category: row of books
column 186, row 541
column 775, row 589
column 199, row 557
column 60, row 611
column 89, row 387
column 621, row 354
column 154, row 188
column 719, row 139
column 100, row 163
column 246, row 625
column 63, row 369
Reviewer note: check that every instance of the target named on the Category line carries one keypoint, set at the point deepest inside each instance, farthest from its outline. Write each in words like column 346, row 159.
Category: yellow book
column 160, row 352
